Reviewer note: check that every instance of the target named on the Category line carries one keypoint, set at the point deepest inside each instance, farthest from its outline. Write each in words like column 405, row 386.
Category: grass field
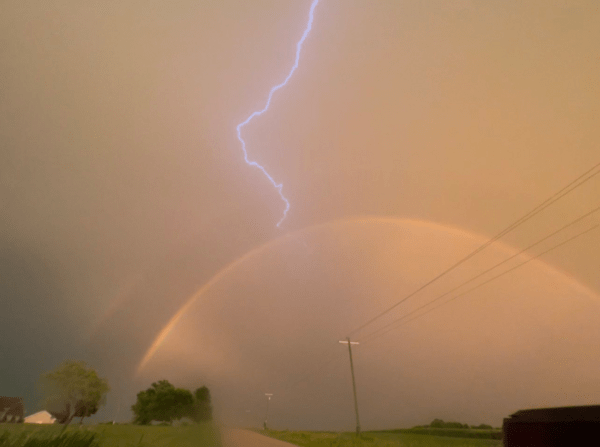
column 453, row 432
column 204, row 435
column 207, row 435
column 375, row 439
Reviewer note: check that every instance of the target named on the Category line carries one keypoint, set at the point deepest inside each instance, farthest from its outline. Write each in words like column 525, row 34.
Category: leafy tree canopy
column 163, row 402
column 201, row 409
column 73, row 389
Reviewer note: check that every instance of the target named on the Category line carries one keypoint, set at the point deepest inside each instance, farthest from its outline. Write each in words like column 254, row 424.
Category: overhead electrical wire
column 545, row 204
column 397, row 324
column 556, row 196
column 539, row 241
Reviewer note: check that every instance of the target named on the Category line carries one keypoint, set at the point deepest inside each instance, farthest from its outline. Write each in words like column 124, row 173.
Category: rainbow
column 366, row 220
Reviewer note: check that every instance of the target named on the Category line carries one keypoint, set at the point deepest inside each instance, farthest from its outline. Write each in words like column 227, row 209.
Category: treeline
column 163, row 402
column 74, row 390
column 454, row 432
column 438, row 423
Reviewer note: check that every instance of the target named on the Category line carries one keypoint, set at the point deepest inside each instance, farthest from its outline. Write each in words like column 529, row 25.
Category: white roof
column 41, row 417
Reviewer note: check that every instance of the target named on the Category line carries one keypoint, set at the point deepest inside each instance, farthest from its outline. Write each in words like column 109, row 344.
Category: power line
column 485, row 282
column 511, row 269
column 556, row 196
column 374, row 333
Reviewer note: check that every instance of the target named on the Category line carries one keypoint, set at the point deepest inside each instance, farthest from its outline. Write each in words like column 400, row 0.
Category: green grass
column 453, row 432
column 72, row 439
column 375, row 439
column 203, row 435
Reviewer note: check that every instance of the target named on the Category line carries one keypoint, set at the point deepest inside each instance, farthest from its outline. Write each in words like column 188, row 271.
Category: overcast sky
column 410, row 134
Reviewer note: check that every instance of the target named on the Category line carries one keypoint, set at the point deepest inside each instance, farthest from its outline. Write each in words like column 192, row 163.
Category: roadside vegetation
column 204, row 434
column 453, row 430
column 391, row 438
column 74, row 390
column 165, row 403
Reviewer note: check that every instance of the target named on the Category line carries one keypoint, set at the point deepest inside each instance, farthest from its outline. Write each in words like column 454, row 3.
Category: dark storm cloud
column 36, row 327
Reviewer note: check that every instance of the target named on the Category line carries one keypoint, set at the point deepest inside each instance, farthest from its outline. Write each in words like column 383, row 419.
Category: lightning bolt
column 278, row 186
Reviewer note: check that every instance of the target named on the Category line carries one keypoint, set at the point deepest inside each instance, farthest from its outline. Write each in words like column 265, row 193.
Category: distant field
column 204, row 435
column 453, row 432
column 376, row 439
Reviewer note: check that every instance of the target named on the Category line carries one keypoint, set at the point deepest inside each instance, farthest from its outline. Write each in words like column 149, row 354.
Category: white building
column 41, row 417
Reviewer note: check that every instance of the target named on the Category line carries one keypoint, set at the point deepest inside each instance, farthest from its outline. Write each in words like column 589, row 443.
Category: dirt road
column 245, row 438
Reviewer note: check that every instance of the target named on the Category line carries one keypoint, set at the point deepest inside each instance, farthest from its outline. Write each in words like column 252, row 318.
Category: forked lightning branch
column 278, row 186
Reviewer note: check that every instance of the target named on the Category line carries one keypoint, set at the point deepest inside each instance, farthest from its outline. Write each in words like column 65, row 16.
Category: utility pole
column 267, row 414
column 350, row 343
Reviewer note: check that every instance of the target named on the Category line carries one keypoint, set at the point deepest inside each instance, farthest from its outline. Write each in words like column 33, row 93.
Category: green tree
column 86, row 411
column 162, row 402
column 73, row 389
column 437, row 423
column 182, row 402
column 201, row 409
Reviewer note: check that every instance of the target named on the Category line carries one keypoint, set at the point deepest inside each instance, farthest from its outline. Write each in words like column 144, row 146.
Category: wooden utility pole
column 350, row 343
